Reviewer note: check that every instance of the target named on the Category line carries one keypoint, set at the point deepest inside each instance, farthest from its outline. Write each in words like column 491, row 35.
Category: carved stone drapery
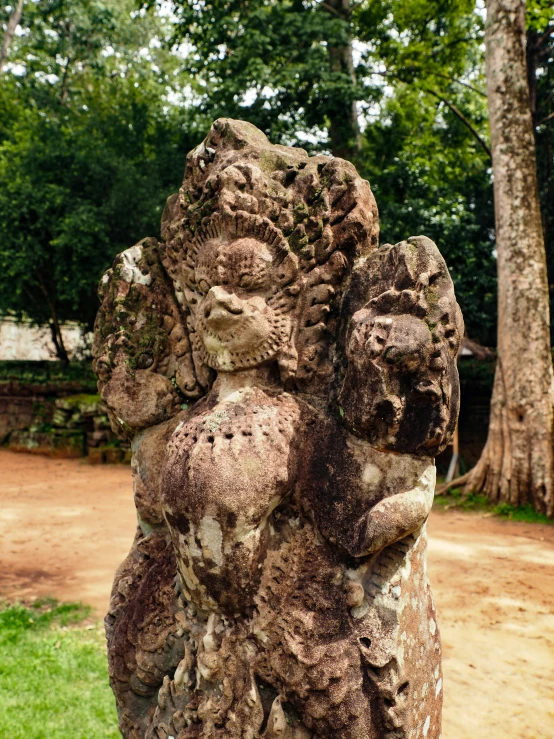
column 286, row 384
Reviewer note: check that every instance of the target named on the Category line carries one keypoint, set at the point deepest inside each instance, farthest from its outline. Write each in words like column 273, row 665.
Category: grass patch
column 53, row 674
column 455, row 498
column 45, row 372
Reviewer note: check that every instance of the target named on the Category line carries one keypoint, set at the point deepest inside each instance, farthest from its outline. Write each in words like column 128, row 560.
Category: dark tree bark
column 539, row 46
column 15, row 17
column 516, row 464
column 53, row 322
column 344, row 130
column 57, row 340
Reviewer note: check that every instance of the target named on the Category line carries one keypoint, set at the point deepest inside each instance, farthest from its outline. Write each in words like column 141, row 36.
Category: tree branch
column 434, row 74
column 13, row 22
column 55, row 326
column 445, row 487
column 63, row 90
column 462, row 117
column 450, row 105
column 544, row 120
column 548, row 32
column 460, row 82
column 330, row 9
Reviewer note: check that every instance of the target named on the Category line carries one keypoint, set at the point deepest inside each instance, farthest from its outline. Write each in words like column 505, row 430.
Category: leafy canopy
column 92, row 139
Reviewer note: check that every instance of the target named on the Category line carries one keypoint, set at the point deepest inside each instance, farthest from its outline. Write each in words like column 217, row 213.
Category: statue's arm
column 394, row 517
column 360, row 497
column 397, row 394
column 146, row 377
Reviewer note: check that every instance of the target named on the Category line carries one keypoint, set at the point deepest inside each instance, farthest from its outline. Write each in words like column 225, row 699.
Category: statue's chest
column 227, row 469
column 229, row 461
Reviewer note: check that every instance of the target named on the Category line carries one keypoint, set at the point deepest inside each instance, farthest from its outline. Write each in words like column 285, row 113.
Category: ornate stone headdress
column 315, row 214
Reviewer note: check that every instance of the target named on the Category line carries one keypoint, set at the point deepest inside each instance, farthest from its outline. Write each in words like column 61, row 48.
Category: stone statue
column 286, row 384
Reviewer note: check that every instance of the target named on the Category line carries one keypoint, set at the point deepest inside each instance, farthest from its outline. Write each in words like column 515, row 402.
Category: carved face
column 239, row 320
column 403, row 342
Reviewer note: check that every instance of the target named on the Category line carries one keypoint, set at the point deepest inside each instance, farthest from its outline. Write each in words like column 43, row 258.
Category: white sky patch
column 184, row 50
column 17, row 69
column 249, row 97
column 359, row 48
column 184, row 96
column 315, row 136
column 480, row 8
column 166, row 11
column 252, row 94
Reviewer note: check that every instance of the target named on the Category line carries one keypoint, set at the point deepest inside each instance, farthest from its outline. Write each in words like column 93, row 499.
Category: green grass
column 53, row 674
column 49, row 372
column 476, row 502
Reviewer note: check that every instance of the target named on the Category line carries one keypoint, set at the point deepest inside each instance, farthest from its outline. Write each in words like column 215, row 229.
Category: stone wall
column 23, row 403
column 22, row 341
column 15, row 413
column 46, row 408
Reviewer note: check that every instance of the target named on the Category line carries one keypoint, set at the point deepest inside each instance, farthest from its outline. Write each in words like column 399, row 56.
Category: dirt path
column 65, row 526
column 493, row 583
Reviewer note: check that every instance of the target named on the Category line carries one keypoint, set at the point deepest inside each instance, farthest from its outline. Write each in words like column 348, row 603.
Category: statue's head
column 256, row 250
column 240, row 291
column 397, row 383
column 259, row 243
column 237, row 326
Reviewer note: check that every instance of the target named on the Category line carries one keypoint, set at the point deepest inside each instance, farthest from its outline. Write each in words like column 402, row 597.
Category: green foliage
column 79, row 374
column 98, row 112
column 268, row 63
column 475, row 502
column 53, row 674
column 424, row 42
column 429, row 172
column 90, row 148
column 540, row 15
column 430, row 177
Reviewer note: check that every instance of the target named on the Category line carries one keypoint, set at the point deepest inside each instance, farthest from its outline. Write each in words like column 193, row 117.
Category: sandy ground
column 65, row 526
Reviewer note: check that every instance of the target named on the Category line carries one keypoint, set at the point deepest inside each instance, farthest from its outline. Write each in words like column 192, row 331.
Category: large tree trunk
column 516, row 464
column 15, row 17
column 344, row 130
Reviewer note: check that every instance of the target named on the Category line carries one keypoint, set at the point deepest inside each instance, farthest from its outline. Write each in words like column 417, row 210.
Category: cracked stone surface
column 286, row 383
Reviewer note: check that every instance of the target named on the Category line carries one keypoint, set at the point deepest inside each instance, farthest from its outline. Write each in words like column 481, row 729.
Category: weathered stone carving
column 286, row 384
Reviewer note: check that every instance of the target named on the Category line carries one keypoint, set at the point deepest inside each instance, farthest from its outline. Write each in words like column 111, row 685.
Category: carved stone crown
column 315, row 213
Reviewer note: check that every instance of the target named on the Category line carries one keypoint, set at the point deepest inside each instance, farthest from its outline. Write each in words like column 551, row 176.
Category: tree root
column 445, row 487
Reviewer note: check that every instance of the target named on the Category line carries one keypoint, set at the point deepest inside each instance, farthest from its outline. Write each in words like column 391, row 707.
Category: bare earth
column 65, row 526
